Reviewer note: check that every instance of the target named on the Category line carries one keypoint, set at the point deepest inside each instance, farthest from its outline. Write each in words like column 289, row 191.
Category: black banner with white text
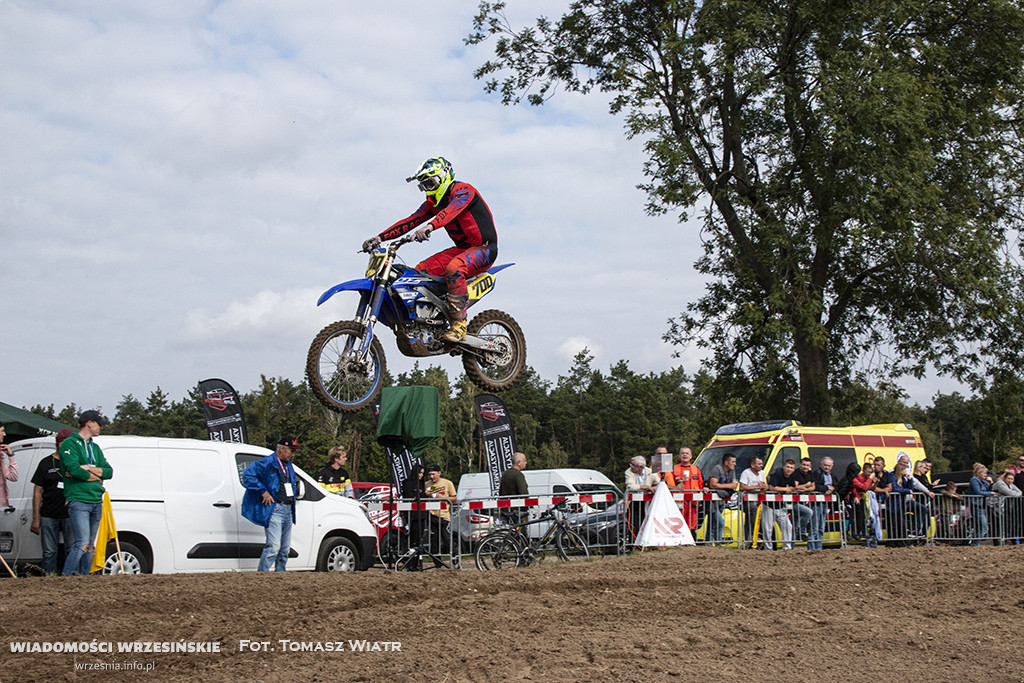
column 223, row 412
column 498, row 435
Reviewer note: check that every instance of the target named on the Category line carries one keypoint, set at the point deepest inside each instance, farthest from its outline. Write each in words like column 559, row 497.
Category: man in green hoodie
column 84, row 469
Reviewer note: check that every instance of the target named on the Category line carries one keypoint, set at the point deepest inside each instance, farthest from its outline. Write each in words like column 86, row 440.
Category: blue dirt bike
column 345, row 365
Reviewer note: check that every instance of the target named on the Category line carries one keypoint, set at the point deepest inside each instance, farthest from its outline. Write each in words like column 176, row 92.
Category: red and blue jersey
column 462, row 212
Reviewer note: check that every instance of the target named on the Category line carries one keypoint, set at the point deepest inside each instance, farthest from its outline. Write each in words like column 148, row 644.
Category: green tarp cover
column 409, row 418
column 21, row 424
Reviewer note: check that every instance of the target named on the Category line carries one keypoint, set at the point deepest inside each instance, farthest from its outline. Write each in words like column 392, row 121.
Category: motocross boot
column 457, row 312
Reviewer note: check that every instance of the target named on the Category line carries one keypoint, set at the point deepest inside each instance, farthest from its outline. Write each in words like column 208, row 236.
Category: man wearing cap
column 269, row 501
column 438, row 487
column 84, row 469
column 49, row 509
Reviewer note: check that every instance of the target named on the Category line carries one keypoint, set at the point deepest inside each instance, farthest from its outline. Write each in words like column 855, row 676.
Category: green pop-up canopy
column 22, row 424
column 410, row 417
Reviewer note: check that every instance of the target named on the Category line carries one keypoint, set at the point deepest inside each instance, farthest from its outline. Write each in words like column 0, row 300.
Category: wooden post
column 8, row 567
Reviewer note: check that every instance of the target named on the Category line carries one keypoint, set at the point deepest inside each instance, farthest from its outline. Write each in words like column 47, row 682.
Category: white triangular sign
column 664, row 525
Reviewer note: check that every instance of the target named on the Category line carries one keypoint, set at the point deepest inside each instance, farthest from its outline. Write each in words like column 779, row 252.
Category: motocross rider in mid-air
column 458, row 208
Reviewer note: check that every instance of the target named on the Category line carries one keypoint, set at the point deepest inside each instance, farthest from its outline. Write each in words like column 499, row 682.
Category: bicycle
column 511, row 546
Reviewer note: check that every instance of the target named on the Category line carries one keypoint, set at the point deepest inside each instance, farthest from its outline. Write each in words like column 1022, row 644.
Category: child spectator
column 950, row 505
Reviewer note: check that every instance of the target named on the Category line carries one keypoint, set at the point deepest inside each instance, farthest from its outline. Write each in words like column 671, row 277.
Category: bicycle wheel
column 570, row 545
column 497, row 551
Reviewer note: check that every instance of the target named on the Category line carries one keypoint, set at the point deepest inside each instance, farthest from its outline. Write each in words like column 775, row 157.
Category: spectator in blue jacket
column 898, row 503
column 269, row 501
column 980, row 488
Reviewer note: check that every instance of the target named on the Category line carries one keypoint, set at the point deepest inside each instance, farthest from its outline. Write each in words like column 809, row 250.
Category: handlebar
column 393, row 246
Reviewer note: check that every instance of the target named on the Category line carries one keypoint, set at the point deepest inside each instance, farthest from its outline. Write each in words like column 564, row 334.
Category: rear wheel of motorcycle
column 341, row 382
column 495, row 370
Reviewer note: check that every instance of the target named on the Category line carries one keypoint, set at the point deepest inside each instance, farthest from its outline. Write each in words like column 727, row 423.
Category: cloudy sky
column 182, row 180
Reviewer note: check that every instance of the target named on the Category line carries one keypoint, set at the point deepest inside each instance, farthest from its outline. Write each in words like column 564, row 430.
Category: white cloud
column 182, row 180
column 572, row 346
column 264, row 313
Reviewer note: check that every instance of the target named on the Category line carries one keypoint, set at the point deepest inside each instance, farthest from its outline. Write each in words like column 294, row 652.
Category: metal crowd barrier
column 920, row 519
column 905, row 519
column 1006, row 517
column 595, row 516
column 701, row 511
column 786, row 520
column 972, row 520
column 420, row 537
column 609, row 523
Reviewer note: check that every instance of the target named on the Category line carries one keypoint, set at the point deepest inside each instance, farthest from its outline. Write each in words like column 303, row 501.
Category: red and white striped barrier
column 406, row 505
column 796, row 498
column 536, row 501
column 678, row 496
column 695, row 496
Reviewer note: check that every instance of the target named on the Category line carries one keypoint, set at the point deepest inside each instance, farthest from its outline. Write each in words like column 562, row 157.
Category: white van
column 544, row 483
column 177, row 507
column 472, row 525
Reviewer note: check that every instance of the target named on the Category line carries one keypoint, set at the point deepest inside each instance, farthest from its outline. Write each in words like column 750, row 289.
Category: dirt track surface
column 944, row 614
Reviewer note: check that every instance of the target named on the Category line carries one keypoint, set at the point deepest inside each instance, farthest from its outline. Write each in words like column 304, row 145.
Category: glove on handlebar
column 371, row 244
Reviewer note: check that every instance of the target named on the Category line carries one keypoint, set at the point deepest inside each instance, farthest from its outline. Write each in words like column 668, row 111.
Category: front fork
column 366, row 315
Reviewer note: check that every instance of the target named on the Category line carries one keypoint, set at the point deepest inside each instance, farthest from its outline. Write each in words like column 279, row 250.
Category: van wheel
column 134, row 560
column 337, row 554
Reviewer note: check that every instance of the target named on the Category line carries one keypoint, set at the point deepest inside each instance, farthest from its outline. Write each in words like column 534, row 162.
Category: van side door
column 202, row 512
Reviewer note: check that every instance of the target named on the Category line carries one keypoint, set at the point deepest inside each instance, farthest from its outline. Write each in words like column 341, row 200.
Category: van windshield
column 710, row 457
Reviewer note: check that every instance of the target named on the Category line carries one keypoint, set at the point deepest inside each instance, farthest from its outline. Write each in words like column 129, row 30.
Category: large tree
column 857, row 163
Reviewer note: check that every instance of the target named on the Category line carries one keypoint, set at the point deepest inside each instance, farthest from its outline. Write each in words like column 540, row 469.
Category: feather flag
column 107, row 533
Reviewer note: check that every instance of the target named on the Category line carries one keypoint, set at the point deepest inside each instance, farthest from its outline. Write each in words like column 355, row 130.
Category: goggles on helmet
column 434, row 177
column 429, row 184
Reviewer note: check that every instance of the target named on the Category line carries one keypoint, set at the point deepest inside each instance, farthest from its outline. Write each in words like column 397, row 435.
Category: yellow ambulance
column 779, row 440
column 776, row 441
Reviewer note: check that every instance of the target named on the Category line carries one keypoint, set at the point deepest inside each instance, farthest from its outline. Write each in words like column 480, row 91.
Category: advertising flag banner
column 223, row 412
column 498, row 435
column 664, row 525
column 400, row 460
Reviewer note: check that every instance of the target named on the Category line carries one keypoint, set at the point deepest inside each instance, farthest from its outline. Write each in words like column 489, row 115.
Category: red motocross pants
column 457, row 264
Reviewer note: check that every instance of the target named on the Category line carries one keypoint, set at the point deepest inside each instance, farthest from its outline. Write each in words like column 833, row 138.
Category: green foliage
column 591, row 418
column 858, row 163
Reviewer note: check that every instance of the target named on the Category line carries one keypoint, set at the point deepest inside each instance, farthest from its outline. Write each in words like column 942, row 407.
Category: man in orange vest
column 686, row 476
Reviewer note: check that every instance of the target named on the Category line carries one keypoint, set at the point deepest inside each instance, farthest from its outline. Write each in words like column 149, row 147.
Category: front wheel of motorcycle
column 501, row 368
column 338, row 377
